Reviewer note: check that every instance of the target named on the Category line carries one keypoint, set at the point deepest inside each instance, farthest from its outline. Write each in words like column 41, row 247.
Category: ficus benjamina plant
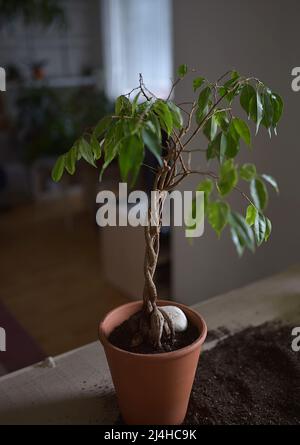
column 170, row 131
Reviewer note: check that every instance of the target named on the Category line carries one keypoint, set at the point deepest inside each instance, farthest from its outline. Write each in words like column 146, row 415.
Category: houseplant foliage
column 170, row 132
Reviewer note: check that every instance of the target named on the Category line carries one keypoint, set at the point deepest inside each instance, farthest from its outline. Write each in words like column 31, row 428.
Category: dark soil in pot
column 252, row 377
column 122, row 335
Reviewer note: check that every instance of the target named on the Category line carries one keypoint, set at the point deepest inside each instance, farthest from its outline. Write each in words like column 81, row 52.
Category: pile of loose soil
column 122, row 336
column 252, row 377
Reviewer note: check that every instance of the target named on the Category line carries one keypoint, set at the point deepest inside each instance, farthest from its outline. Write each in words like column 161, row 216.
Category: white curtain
column 137, row 39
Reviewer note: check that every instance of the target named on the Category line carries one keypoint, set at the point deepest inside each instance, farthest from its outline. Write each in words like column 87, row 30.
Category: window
column 137, row 39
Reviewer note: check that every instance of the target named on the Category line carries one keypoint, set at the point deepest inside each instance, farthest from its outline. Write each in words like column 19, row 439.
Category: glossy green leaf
column 217, row 215
column 182, row 70
column 242, row 129
column 277, row 108
column 268, row 228
column 58, row 168
column 165, row 116
column 222, row 120
column 272, row 181
column 260, row 228
column 71, row 159
column 207, row 187
column 259, row 110
column 228, row 177
column 102, row 126
column 247, row 93
column 268, row 111
column 135, row 102
column 239, row 224
column 86, row 151
column 123, row 106
column 233, row 146
column 151, row 141
column 213, row 150
column 131, row 156
column 96, row 147
column 198, row 82
column 259, row 193
column 223, row 147
column 237, row 241
column 176, row 114
column 247, row 172
column 251, row 215
column 211, row 128
column 203, row 101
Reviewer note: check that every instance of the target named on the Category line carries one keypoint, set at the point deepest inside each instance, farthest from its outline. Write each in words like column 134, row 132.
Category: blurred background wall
column 258, row 38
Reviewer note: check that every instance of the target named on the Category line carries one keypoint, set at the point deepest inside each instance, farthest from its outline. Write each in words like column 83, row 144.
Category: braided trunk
column 154, row 324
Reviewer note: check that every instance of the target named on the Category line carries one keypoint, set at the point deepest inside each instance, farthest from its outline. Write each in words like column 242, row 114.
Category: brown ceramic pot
column 152, row 389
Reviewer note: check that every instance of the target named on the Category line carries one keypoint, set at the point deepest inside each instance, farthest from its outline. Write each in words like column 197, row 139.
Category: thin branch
column 142, row 87
column 173, row 86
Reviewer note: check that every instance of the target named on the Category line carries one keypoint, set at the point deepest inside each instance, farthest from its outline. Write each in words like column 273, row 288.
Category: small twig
column 173, row 86
column 142, row 87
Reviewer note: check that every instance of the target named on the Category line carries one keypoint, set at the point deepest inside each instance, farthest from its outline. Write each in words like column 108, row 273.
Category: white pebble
column 177, row 316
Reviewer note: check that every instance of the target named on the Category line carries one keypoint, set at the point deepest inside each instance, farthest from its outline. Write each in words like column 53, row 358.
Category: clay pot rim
column 159, row 355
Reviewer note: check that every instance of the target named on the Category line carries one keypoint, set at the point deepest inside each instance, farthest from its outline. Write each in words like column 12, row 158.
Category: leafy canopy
column 141, row 122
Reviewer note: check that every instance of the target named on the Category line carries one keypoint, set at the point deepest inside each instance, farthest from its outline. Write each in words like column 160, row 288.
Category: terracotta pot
column 152, row 389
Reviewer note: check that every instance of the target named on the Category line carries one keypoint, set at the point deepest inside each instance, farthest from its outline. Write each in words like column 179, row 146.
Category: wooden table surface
column 76, row 388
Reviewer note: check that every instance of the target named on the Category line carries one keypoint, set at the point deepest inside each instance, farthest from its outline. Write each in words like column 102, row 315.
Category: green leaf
column 131, row 156
column 213, row 150
column 244, row 232
column 217, row 214
column 182, row 70
column 268, row 111
column 247, row 93
column 123, row 106
column 102, row 126
column 96, row 147
column 259, row 193
column 259, row 110
column 222, row 120
column 112, row 143
column 233, row 145
column 260, row 228
column 71, row 159
column 206, row 186
column 228, row 177
column 277, row 108
column 251, row 215
column 135, row 103
column 203, row 101
column 272, row 181
column 268, row 228
column 86, row 151
column 176, row 114
column 237, row 241
column 58, row 168
column 210, row 128
column 155, row 126
column 242, row 129
column 223, row 147
column 198, row 82
column 165, row 116
column 151, row 141
column 247, row 172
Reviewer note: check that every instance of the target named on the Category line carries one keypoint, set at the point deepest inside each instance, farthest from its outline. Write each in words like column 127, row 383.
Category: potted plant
column 152, row 357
